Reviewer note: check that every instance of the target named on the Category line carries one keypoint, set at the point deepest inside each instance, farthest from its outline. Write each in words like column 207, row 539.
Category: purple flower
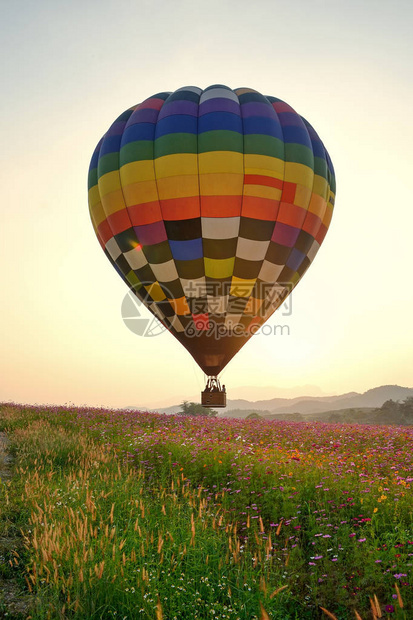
column 389, row 609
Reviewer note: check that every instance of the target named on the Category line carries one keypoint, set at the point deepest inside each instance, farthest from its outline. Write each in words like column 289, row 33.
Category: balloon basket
column 214, row 394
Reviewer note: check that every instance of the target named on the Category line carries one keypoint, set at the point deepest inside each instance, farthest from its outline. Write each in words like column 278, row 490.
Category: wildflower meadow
column 125, row 514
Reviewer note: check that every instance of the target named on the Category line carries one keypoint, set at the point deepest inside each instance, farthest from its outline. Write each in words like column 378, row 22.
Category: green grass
column 141, row 516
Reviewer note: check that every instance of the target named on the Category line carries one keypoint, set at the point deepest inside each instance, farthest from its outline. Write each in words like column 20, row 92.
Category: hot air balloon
column 211, row 205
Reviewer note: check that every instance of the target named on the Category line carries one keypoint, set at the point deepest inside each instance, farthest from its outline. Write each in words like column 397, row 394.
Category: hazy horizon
column 247, row 393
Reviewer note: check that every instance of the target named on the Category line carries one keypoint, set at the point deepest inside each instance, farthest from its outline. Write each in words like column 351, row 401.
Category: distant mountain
column 254, row 393
column 169, row 410
column 307, row 405
column 372, row 398
column 312, row 405
column 391, row 412
column 281, row 405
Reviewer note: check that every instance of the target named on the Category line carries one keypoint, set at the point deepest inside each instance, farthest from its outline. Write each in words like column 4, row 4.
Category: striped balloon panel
column 211, row 205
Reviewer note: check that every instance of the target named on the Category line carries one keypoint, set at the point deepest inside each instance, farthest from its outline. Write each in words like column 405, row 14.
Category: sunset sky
column 69, row 69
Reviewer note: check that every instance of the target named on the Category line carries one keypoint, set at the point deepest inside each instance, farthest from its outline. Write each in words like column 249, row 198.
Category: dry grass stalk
column 159, row 612
column 399, row 597
column 373, row 608
column 378, row 609
column 264, row 615
column 192, row 543
column 328, row 613
column 277, row 591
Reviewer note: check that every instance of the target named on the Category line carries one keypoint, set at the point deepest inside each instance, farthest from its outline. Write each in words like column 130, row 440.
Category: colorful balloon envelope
column 211, row 205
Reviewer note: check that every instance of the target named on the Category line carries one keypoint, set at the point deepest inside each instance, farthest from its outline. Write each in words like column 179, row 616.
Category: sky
column 69, row 69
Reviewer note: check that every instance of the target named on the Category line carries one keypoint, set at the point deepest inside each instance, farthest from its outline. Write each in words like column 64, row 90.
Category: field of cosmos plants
column 125, row 514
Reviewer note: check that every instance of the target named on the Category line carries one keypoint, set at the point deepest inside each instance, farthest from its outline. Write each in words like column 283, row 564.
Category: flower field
column 121, row 514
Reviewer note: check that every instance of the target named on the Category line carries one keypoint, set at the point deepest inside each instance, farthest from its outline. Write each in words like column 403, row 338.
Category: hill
column 305, row 406
column 309, row 406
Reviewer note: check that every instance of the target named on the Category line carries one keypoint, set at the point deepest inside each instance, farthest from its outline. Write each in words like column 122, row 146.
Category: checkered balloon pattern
column 211, row 205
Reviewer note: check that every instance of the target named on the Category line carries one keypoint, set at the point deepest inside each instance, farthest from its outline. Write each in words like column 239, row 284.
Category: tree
column 392, row 412
column 406, row 409
column 390, row 406
column 195, row 409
